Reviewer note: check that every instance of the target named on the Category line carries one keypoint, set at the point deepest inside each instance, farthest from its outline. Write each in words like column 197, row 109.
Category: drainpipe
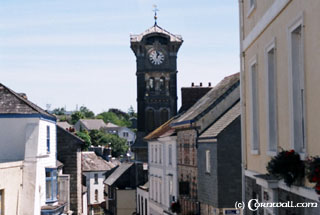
column 243, row 102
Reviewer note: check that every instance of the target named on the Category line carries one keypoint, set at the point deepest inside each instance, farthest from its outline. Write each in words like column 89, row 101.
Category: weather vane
column 155, row 14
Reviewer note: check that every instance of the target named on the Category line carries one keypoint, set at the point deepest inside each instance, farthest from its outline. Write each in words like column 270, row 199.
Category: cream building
column 279, row 42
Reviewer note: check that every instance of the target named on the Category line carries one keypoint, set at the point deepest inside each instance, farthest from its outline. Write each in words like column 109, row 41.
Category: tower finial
column 155, row 10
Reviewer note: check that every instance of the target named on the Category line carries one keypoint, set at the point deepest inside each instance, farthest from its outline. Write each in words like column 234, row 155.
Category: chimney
column 209, row 84
column 200, row 84
column 192, row 84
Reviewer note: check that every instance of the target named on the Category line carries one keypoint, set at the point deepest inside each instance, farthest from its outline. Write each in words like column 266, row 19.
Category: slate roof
column 14, row 103
column 155, row 29
column 117, row 173
column 226, row 119
column 64, row 125
column 91, row 162
column 91, row 124
column 111, row 125
column 209, row 99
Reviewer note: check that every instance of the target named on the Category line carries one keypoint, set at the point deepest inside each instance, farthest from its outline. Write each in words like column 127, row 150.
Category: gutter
column 242, row 106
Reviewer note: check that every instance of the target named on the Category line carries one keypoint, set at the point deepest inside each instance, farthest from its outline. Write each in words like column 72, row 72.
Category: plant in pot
column 287, row 165
column 313, row 172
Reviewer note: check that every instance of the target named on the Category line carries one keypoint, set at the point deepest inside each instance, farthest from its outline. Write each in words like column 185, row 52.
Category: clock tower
column 156, row 56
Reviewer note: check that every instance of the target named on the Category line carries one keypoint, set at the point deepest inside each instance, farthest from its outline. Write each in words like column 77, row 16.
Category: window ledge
column 255, row 152
column 272, row 153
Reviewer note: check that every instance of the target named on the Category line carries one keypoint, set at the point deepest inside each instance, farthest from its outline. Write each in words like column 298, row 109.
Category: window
column 150, row 119
column 170, row 154
column 156, row 152
column 160, row 191
column 151, row 84
column 96, row 195
column 164, row 116
column 51, row 185
column 139, row 209
column 146, row 206
column 48, row 138
column 142, row 206
column 162, row 84
column 152, row 155
column 271, row 99
column 160, row 153
column 1, row 202
column 254, row 108
column 184, row 188
column 208, row 166
column 297, row 87
column 96, row 178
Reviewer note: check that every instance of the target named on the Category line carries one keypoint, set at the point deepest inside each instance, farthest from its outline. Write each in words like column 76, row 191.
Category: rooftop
column 92, row 124
column 209, row 99
column 155, row 29
column 14, row 103
column 223, row 122
column 92, row 162
column 117, row 173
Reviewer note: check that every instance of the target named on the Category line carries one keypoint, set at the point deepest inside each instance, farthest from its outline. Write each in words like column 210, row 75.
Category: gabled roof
column 91, row 124
column 226, row 119
column 91, row 162
column 155, row 29
column 13, row 103
column 64, row 125
column 209, row 99
column 117, row 173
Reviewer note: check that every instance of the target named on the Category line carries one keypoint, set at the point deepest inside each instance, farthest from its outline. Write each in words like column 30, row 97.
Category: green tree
column 84, row 135
column 118, row 145
column 131, row 112
column 112, row 117
column 59, row 111
column 76, row 116
column 95, row 136
column 86, row 112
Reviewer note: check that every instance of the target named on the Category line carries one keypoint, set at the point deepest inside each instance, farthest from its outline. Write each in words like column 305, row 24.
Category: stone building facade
column 69, row 152
column 189, row 126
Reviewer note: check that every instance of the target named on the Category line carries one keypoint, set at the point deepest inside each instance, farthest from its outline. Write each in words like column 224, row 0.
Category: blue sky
column 77, row 52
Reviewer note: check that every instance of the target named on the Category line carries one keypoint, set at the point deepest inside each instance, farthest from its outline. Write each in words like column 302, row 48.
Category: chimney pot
column 209, row 84
column 200, row 84
column 192, row 84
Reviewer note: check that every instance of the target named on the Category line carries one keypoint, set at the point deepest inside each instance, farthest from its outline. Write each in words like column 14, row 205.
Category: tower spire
column 155, row 10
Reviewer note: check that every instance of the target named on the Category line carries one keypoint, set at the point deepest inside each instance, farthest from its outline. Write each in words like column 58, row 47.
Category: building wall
column 69, row 153
column 91, row 186
column 126, row 201
column 13, row 131
column 131, row 135
column 10, row 185
column 142, row 197
column 278, row 31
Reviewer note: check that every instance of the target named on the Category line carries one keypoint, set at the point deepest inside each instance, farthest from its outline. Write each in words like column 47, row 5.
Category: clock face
column 156, row 57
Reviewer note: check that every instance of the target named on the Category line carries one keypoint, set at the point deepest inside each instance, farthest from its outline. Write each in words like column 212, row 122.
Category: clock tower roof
column 136, row 38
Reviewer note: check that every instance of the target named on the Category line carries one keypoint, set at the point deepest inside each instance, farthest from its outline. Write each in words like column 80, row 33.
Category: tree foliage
column 86, row 112
column 84, row 135
column 59, row 111
column 112, row 117
column 119, row 145
column 76, row 116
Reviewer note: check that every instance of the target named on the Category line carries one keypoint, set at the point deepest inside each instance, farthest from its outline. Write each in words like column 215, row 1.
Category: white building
column 143, row 199
column 163, row 187
column 28, row 134
column 95, row 170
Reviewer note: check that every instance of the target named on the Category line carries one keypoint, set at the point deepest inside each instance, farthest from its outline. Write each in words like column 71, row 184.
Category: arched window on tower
column 151, row 84
column 164, row 116
column 162, row 84
column 150, row 120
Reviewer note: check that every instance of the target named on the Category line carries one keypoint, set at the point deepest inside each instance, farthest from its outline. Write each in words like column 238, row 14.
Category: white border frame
column 297, row 21
column 254, row 61
column 271, row 45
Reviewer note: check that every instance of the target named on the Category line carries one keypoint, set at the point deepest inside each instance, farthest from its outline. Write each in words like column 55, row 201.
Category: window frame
column 48, row 138
column 252, row 4
column 255, row 144
column 298, row 22
column 2, row 196
column 271, row 46
column 54, row 181
column 96, row 178
column 208, row 160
